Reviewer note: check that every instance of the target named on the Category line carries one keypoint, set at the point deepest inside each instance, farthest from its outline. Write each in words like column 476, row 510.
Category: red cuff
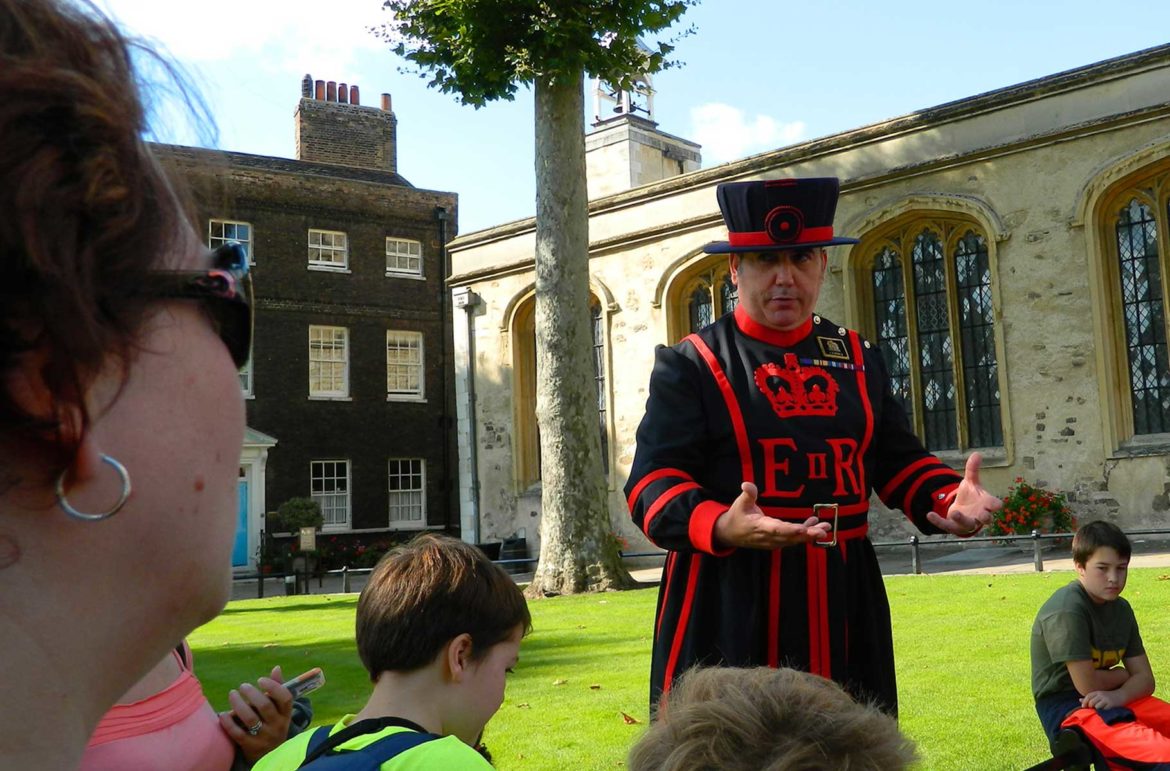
column 701, row 528
column 943, row 498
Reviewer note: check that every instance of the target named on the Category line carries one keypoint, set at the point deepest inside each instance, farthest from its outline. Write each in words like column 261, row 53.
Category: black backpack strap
column 322, row 744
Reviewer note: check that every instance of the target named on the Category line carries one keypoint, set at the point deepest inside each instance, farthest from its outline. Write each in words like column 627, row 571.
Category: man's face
column 1103, row 575
column 779, row 289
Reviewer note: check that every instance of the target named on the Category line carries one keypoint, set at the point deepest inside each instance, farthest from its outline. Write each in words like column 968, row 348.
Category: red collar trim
column 752, row 328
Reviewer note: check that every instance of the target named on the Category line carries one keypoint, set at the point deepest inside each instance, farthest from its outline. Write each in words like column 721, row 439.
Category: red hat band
column 764, row 238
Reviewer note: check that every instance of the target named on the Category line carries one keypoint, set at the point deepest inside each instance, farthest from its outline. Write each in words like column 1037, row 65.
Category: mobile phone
column 307, row 682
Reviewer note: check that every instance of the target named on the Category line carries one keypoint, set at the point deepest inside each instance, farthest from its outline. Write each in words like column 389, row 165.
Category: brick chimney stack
column 333, row 127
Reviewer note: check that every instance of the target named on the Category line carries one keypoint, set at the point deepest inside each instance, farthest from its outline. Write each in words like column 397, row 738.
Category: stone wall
column 1027, row 165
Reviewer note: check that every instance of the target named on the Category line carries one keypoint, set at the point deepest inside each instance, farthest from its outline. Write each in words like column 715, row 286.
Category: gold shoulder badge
column 833, row 348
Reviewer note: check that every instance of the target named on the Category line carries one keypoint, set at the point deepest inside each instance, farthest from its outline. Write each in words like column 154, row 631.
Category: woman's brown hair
column 85, row 209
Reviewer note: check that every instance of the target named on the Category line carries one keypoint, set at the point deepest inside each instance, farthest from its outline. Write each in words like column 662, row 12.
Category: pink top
column 175, row 729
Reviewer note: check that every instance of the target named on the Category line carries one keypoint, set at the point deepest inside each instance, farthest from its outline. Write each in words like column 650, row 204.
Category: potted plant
column 296, row 513
column 1027, row 507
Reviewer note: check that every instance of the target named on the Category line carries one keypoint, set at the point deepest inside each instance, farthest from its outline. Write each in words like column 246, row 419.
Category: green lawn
column 961, row 641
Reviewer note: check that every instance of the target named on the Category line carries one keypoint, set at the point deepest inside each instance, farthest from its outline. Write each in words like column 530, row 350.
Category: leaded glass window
column 934, row 343
column 977, row 338
column 930, row 284
column 701, row 313
column 711, row 294
column 889, row 302
column 1142, row 314
column 599, row 376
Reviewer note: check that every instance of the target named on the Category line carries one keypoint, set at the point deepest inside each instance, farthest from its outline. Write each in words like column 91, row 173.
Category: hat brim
column 725, row 247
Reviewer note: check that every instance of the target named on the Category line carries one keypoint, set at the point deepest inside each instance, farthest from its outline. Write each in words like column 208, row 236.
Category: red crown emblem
column 795, row 390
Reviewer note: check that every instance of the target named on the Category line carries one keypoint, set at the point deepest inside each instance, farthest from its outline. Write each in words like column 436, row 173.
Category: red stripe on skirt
column 818, row 619
column 774, row 612
column 681, row 628
column 668, row 573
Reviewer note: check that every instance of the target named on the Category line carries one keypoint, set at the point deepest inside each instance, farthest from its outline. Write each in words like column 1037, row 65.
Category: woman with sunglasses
column 121, row 417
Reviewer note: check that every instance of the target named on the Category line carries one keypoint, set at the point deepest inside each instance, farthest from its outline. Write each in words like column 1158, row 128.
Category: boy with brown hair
column 1089, row 667
column 438, row 627
column 764, row 719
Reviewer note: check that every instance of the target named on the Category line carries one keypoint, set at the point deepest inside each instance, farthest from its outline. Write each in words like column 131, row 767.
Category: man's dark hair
column 1095, row 535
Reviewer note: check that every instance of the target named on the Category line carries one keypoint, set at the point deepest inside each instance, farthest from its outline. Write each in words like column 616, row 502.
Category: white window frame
column 328, row 250
column 399, row 250
column 399, row 372
column 233, row 226
column 317, row 471
column 317, row 358
column 247, row 377
column 394, row 470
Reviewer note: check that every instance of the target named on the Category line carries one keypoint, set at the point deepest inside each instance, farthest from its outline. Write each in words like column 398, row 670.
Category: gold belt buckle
column 817, row 508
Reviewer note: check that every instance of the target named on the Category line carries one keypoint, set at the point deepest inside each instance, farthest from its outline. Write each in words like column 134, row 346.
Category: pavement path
column 937, row 558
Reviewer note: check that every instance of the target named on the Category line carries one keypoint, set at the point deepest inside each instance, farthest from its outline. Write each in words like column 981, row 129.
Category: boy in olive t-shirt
column 1089, row 667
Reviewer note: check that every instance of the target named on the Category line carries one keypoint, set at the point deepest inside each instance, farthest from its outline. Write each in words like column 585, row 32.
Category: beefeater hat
column 778, row 214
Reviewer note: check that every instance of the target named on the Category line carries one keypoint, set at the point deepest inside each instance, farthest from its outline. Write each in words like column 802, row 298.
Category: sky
column 755, row 75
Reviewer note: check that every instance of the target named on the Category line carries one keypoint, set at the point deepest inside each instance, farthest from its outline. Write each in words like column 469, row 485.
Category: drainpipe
column 441, row 216
column 467, row 300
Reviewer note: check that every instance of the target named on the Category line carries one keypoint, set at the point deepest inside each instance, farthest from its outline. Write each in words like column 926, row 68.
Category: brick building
column 347, row 390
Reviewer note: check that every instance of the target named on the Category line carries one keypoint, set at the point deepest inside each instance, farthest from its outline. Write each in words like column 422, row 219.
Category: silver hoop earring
column 66, row 507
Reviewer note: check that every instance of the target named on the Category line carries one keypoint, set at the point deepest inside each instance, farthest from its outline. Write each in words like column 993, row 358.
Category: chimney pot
column 320, row 90
column 307, row 86
column 342, row 93
column 331, row 91
column 353, row 95
column 386, row 103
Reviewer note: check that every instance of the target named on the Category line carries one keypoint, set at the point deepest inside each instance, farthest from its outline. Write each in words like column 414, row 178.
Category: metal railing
column 299, row 581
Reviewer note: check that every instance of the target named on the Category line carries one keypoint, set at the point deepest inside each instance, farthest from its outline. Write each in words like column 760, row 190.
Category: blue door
column 240, row 550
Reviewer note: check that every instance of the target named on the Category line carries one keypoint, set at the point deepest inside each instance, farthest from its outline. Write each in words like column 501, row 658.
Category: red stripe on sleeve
column 914, row 488
column 652, row 477
column 701, row 527
column 885, row 492
column 863, row 390
column 664, row 499
column 681, row 629
column 745, row 455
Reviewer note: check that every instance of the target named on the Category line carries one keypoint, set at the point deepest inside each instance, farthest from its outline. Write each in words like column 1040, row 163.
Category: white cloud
column 296, row 35
column 727, row 133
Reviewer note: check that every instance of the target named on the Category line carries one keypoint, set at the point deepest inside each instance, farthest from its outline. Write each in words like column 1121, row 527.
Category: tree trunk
column 578, row 551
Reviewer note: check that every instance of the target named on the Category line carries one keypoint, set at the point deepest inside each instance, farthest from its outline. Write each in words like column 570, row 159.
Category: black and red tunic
column 807, row 416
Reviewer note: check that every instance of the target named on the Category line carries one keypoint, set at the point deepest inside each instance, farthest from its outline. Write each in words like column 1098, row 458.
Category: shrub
column 1027, row 508
column 296, row 513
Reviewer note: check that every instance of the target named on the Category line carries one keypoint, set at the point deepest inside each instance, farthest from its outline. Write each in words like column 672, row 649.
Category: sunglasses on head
column 225, row 290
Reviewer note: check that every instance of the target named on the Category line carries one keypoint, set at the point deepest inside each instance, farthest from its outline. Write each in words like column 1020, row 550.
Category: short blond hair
column 765, row 719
